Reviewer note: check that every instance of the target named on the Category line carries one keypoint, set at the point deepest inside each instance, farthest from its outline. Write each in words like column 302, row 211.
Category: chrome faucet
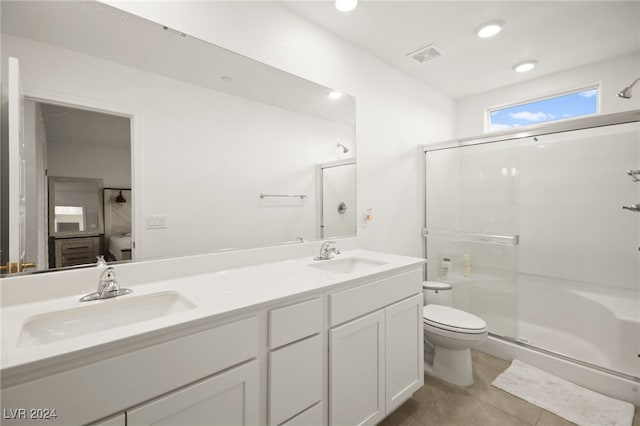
column 326, row 251
column 107, row 287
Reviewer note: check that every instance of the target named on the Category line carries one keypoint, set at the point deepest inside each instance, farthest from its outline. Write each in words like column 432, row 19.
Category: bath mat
column 574, row 403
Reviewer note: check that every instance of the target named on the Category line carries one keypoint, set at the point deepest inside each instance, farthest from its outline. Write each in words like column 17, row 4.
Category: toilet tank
column 437, row 293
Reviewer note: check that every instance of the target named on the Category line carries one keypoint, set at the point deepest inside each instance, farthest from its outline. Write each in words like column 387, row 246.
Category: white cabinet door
column 404, row 351
column 356, row 371
column 311, row 417
column 226, row 399
column 117, row 420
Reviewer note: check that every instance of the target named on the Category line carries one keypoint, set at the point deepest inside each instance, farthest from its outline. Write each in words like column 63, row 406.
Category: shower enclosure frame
column 515, row 134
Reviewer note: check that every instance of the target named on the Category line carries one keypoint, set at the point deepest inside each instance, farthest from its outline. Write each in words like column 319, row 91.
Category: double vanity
column 289, row 342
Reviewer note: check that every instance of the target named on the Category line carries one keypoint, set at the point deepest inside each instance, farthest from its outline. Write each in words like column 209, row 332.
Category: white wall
column 85, row 160
column 612, row 75
column 395, row 112
column 203, row 157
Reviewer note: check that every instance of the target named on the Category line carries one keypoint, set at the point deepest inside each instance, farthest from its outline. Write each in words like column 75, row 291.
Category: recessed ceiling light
column 489, row 29
column 226, row 78
column 525, row 66
column 346, row 5
column 335, row 95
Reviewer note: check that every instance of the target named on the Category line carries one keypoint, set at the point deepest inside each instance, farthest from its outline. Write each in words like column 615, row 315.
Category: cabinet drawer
column 295, row 378
column 358, row 301
column 78, row 245
column 310, row 417
column 295, row 322
column 76, row 251
column 77, row 259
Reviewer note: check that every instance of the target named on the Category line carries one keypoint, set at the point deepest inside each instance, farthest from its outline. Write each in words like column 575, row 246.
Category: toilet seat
column 453, row 320
column 436, row 285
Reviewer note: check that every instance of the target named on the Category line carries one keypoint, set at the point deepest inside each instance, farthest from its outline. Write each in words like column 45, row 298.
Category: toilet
column 449, row 335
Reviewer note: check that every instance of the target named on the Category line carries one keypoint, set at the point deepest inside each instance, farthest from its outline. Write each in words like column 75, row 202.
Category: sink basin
column 347, row 265
column 102, row 315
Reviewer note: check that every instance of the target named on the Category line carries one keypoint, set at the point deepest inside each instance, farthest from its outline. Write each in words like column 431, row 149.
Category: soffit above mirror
column 120, row 37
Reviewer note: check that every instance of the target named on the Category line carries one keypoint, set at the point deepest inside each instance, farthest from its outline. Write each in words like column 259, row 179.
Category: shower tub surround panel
column 204, row 329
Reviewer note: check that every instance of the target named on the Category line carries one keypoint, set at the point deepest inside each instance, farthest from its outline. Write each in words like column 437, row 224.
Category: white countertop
column 215, row 295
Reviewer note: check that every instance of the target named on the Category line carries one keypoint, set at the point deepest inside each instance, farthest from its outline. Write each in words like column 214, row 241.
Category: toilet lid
column 435, row 285
column 453, row 319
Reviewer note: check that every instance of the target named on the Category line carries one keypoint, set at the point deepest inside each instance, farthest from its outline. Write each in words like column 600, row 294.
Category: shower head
column 626, row 92
column 344, row 148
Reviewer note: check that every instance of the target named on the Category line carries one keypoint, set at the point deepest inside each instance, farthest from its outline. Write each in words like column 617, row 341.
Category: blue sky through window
column 557, row 108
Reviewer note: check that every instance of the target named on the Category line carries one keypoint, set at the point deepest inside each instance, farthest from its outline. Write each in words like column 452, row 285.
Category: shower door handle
column 632, row 207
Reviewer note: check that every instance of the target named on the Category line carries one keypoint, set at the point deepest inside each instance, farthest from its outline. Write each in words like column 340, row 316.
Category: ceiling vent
column 426, row 54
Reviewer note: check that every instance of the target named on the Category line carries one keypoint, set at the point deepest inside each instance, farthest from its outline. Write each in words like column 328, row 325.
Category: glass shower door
column 471, row 215
column 579, row 268
column 537, row 242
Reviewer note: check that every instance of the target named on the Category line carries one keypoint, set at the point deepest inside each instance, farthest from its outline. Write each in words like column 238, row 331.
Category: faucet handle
column 109, row 274
column 327, row 252
column 107, row 281
column 107, row 287
column 101, row 262
column 326, row 244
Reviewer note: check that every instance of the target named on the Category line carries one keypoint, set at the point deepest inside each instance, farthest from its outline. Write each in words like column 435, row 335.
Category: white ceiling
column 82, row 127
column 559, row 34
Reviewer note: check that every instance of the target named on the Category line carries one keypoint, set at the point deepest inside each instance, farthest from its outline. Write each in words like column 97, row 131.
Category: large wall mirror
column 199, row 149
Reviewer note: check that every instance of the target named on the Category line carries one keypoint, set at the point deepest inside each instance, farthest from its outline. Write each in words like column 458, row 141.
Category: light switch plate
column 156, row 221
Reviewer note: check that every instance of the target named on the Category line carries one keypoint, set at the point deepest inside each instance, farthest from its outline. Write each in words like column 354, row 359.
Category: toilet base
column 451, row 365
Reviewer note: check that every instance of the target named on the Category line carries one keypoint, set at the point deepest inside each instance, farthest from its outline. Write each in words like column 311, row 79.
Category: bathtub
column 584, row 333
column 595, row 325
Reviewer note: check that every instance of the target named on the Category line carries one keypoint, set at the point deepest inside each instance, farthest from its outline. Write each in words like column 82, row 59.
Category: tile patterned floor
column 440, row 404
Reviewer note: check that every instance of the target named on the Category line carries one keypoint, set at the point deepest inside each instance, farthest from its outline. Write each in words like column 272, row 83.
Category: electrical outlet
column 367, row 216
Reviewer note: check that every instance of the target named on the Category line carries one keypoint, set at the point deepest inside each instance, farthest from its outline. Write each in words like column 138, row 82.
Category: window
column 562, row 107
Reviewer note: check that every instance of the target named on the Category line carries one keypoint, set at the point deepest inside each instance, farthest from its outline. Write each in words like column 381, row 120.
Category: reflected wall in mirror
column 210, row 130
column 117, row 224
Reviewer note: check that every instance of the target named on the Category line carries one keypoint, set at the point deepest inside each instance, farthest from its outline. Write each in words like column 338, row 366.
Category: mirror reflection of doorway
column 338, row 196
column 75, row 144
